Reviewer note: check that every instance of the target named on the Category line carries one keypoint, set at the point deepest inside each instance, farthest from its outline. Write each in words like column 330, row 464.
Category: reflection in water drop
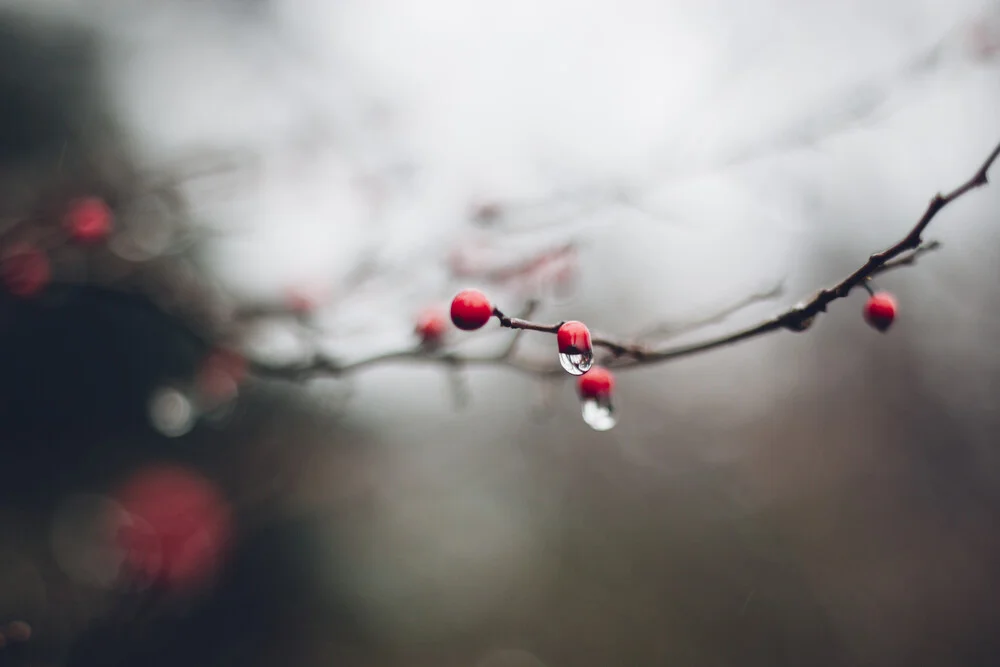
column 599, row 415
column 171, row 412
column 577, row 364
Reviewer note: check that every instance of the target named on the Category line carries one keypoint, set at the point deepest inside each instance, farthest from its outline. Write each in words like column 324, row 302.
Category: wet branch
column 800, row 317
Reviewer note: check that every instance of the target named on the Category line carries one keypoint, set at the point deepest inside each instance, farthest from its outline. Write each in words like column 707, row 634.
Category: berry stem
column 526, row 325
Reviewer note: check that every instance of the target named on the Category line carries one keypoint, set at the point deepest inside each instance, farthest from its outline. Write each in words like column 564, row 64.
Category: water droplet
column 576, row 364
column 599, row 415
column 171, row 412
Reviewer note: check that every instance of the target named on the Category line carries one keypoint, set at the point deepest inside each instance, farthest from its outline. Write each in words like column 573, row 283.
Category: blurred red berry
column 598, row 382
column 470, row 310
column 431, row 326
column 89, row 220
column 25, row 270
column 189, row 517
column 880, row 310
column 221, row 373
column 460, row 263
column 574, row 338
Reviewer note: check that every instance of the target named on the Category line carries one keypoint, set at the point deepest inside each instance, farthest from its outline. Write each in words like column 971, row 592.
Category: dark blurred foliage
column 878, row 543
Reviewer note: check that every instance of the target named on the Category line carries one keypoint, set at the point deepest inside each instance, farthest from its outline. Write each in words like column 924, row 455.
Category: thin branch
column 678, row 329
column 528, row 311
column 800, row 317
column 908, row 259
column 322, row 365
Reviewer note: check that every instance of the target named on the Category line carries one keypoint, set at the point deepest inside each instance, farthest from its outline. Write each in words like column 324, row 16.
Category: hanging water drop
column 599, row 415
column 576, row 355
column 576, row 364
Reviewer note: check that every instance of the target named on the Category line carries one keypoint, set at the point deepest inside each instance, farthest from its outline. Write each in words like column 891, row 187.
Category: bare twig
column 801, row 316
column 528, row 311
column 678, row 329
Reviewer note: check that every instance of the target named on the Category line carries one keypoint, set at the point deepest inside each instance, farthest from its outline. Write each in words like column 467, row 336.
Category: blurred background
column 199, row 198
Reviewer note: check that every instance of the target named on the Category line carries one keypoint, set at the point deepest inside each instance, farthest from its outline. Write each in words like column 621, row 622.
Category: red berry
column 25, row 270
column 431, row 326
column 470, row 310
column 221, row 373
column 598, row 382
column 189, row 517
column 88, row 220
column 574, row 338
column 880, row 310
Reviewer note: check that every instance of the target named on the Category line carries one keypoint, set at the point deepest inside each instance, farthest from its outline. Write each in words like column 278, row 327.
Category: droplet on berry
column 576, row 354
column 470, row 310
column 595, row 389
column 431, row 327
column 880, row 311
column 25, row 270
column 88, row 220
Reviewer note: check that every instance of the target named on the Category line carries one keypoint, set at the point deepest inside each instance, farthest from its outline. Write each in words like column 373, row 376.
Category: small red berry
column 574, row 338
column 88, row 220
column 25, row 270
column 470, row 310
column 597, row 383
column 431, row 326
column 880, row 310
column 221, row 373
